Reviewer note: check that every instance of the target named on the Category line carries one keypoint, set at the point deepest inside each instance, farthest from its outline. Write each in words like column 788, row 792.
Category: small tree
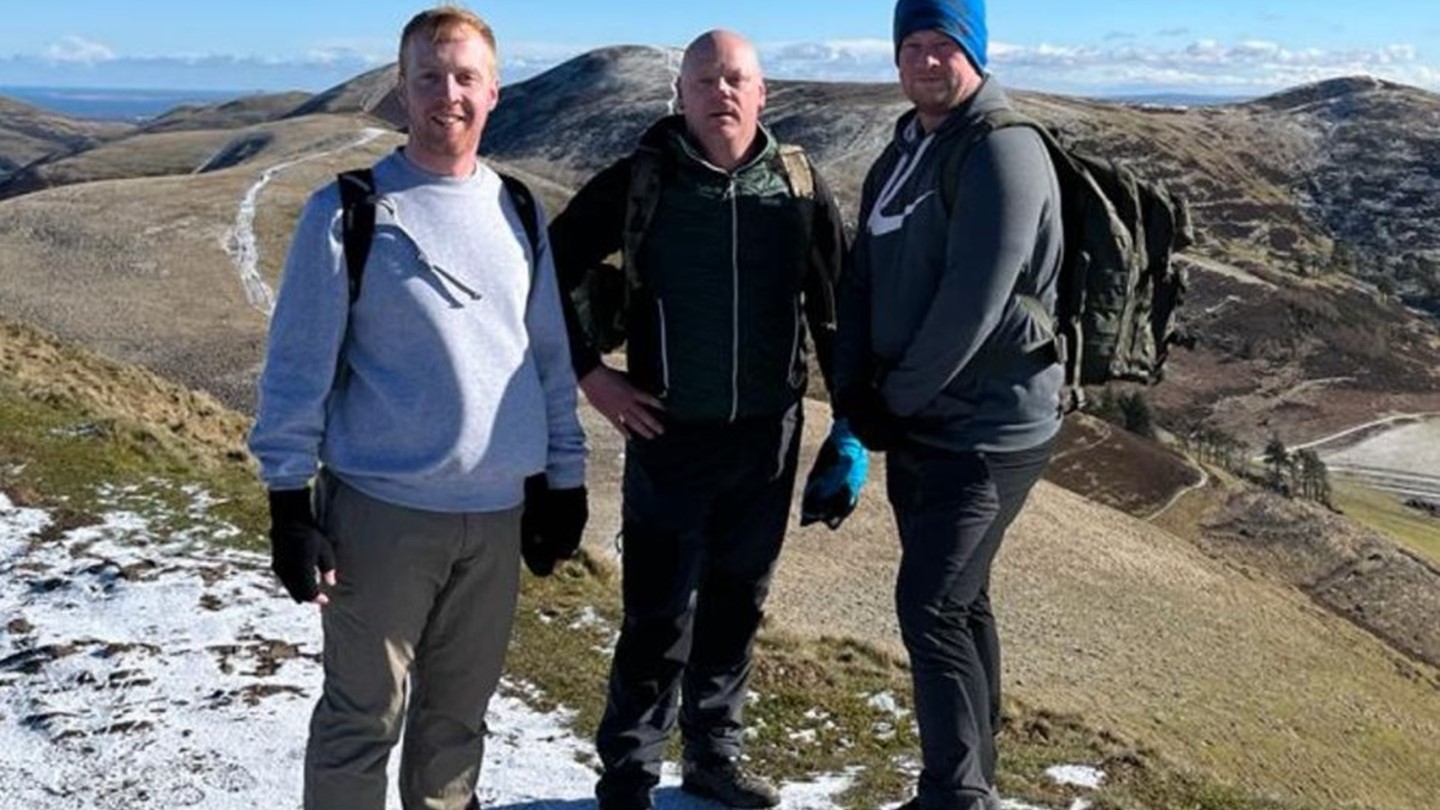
column 1277, row 462
column 1312, row 477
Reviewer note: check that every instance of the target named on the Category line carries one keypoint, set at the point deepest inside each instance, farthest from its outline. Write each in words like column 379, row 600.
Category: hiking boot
column 620, row 793
column 724, row 781
column 990, row 802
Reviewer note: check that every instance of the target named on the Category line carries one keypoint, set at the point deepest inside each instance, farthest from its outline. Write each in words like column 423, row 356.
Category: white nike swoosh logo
column 881, row 224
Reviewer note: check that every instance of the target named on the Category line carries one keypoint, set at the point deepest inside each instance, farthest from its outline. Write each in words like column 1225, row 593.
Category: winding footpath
column 239, row 240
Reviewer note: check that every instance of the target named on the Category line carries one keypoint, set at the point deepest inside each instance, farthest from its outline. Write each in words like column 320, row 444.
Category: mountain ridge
column 147, row 269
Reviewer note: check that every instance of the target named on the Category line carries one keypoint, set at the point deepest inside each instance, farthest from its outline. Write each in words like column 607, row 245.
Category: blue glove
column 833, row 487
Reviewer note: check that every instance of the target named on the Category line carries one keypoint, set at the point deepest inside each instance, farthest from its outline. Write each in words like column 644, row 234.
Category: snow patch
column 143, row 670
column 1076, row 775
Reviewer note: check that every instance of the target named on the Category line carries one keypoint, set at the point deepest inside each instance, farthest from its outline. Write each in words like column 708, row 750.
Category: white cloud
column 1204, row 66
column 341, row 55
column 371, row 52
column 78, row 50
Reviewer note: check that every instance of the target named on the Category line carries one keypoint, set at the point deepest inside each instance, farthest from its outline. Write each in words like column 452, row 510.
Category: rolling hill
column 29, row 133
column 1170, row 638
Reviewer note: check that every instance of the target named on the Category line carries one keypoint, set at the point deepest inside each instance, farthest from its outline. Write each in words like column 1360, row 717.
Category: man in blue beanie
column 945, row 360
column 962, row 21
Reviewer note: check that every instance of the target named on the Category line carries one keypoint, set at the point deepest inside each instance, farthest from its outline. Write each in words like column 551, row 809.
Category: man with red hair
column 425, row 397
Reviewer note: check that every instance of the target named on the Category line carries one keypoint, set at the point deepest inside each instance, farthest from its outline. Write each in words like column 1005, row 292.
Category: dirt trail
column 239, row 241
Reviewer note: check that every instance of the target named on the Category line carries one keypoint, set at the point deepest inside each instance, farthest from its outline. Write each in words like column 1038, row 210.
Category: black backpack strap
column 357, row 222
column 524, row 202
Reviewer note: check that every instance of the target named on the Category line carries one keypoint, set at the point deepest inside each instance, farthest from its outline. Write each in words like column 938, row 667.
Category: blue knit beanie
column 961, row 20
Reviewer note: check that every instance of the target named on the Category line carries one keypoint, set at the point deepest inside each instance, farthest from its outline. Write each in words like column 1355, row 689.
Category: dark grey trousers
column 423, row 606
column 705, row 509
column 952, row 509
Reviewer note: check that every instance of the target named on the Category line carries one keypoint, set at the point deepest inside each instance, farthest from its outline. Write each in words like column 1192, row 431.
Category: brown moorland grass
column 58, row 438
column 1130, row 628
column 138, row 268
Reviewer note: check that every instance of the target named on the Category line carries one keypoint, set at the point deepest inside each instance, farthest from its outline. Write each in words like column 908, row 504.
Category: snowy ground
column 140, row 667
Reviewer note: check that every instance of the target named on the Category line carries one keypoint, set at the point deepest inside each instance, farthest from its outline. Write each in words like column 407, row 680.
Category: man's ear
column 761, row 108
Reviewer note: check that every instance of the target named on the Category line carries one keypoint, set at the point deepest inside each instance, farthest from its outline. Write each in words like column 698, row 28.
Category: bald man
column 731, row 246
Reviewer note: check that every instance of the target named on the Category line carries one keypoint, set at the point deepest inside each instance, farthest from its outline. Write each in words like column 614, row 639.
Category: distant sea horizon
column 115, row 104
column 136, row 105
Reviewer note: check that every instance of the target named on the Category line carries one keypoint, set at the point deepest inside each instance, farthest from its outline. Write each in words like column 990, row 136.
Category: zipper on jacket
column 664, row 349
column 735, row 296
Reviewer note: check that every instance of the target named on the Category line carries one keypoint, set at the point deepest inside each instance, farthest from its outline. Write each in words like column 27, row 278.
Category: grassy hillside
column 70, row 421
column 1207, row 661
column 28, row 133
column 1385, row 513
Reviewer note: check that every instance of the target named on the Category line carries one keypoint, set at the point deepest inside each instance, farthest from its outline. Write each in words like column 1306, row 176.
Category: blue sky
column 1220, row 47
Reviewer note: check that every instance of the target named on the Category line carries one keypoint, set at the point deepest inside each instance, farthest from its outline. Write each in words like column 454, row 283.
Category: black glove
column 297, row 546
column 551, row 525
column 870, row 418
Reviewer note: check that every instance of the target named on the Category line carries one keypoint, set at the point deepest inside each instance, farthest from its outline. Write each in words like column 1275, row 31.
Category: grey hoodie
column 448, row 381
column 928, row 310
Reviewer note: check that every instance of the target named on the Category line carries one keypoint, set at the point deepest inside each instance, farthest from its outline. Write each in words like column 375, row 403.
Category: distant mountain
column 1296, row 337
column 1315, row 209
column 184, row 140
column 183, row 152
column 1174, row 99
column 575, row 119
column 372, row 92
column 28, row 133
column 232, row 114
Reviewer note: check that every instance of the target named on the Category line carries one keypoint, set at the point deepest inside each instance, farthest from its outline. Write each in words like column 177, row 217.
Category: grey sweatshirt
column 448, row 381
column 928, row 309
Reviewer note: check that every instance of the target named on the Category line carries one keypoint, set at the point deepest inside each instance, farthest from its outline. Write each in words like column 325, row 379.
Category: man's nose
column 451, row 88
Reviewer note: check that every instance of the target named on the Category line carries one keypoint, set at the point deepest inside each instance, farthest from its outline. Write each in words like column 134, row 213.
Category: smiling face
column 448, row 87
column 721, row 95
column 935, row 74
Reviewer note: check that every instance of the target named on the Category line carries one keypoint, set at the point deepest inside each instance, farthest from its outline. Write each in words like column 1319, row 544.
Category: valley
column 1176, row 610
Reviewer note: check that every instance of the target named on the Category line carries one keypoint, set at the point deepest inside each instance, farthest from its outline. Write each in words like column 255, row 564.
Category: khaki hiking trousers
column 422, row 609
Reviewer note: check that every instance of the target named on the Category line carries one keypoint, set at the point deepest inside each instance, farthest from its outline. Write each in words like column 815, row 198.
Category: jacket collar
column 670, row 135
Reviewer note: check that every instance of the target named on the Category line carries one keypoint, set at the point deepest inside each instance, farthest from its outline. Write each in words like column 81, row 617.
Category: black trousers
column 952, row 510
column 704, row 514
